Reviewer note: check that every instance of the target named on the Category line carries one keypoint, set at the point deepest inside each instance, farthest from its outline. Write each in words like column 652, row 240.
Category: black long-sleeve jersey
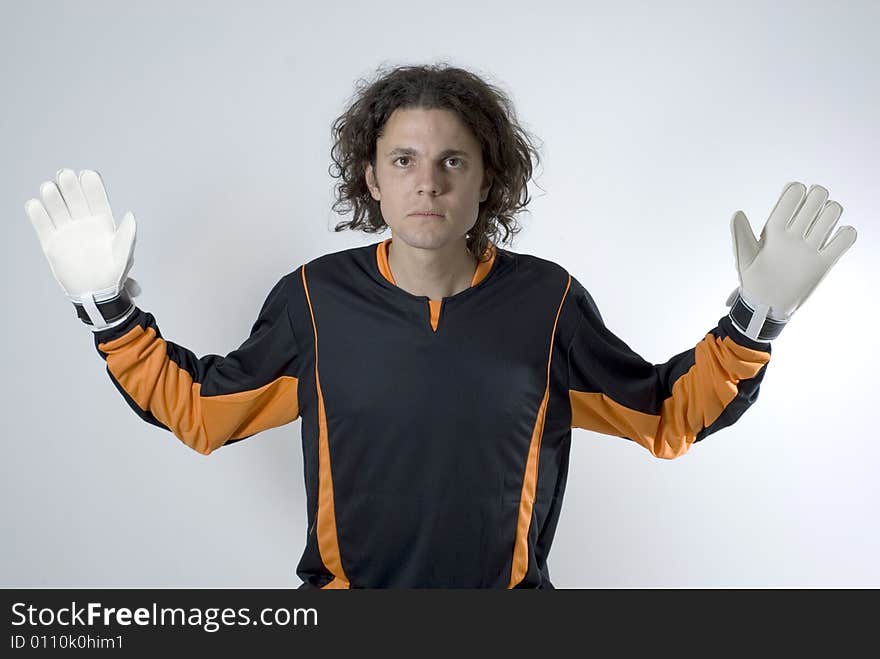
column 435, row 433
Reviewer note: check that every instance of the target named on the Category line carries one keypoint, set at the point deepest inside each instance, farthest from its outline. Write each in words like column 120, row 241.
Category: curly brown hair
column 507, row 149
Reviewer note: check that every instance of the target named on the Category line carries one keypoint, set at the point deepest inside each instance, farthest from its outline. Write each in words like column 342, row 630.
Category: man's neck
column 435, row 273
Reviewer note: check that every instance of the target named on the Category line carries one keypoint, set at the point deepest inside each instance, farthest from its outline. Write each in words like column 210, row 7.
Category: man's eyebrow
column 409, row 151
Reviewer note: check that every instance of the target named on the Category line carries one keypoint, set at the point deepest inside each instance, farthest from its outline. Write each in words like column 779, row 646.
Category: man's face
column 428, row 160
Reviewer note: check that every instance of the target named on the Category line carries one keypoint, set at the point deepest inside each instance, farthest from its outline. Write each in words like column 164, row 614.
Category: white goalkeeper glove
column 779, row 272
column 89, row 256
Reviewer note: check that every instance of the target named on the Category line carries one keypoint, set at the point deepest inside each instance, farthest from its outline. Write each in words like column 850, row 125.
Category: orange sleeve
column 210, row 401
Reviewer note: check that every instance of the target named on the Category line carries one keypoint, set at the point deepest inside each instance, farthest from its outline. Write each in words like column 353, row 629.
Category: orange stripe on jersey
column 328, row 542
column 696, row 402
column 139, row 361
column 530, row 481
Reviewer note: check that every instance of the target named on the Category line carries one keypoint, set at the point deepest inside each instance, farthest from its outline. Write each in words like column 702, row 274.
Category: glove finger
column 808, row 210
column 745, row 245
column 54, row 203
column 786, row 206
column 123, row 241
column 96, row 196
column 73, row 195
column 842, row 241
column 40, row 220
column 824, row 225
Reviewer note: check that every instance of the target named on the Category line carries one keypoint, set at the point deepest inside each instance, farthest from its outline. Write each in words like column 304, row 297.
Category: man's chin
column 424, row 238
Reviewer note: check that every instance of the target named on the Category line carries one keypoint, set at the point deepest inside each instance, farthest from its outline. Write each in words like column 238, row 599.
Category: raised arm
column 667, row 407
column 207, row 402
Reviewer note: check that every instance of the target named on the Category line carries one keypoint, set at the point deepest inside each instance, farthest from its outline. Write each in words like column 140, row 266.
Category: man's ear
column 487, row 185
column 372, row 184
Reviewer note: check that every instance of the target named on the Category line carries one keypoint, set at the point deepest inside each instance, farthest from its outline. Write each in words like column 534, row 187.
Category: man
column 437, row 375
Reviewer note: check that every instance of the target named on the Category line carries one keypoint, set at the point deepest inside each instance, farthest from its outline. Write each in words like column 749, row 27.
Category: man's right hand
column 89, row 256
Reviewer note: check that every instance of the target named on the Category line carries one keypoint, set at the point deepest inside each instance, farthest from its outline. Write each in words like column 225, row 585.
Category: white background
column 655, row 123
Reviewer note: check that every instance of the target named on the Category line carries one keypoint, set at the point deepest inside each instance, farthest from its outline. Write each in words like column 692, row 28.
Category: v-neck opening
column 435, row 307
column 481, row 273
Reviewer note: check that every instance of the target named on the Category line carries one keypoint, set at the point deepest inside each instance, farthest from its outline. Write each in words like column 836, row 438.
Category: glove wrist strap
column 105, row 313
column 753, row 321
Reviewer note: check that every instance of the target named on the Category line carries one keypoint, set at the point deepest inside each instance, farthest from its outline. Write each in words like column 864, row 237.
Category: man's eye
column 458, row 160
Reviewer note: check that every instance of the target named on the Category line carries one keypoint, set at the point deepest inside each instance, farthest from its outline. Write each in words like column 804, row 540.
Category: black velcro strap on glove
column 112, row 309
column 741, row 314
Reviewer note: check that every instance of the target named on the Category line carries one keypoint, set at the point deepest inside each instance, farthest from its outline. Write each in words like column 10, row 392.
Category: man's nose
column 429, row 181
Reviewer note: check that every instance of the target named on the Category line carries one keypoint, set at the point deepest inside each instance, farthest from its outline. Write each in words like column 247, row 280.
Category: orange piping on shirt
column 328, row 542
column 530, row 480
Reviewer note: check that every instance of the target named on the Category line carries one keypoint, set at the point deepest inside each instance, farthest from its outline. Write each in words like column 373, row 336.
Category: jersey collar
column 483, row 267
